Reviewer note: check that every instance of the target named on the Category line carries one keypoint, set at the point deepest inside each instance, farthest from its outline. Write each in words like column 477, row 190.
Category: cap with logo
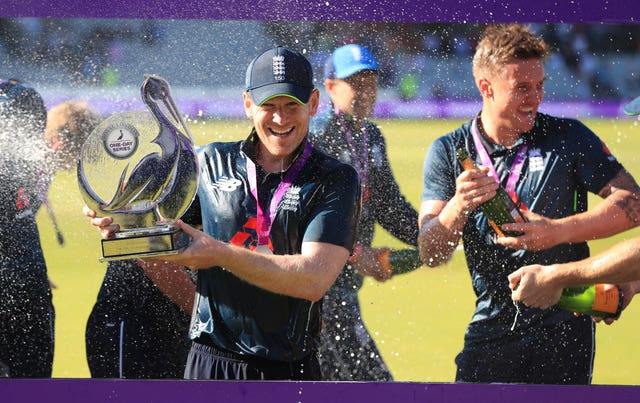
column 348, row 60
column 279, row 72
column 633, row 107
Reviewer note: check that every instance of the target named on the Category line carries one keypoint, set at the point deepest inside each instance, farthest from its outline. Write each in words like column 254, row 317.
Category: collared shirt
column 321, row 205
column 564, row 162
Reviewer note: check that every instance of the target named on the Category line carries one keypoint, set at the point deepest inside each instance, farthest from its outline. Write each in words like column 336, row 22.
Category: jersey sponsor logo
column 22, row 204
column 226, row 184
column 536, row 162
column 247, row 237
column 22, row 201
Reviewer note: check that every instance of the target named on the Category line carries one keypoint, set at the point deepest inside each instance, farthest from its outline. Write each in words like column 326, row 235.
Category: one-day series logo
column 120, row 140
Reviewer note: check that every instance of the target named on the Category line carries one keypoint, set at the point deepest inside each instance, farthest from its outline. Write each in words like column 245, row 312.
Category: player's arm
column 619, row 211
column 307, row 275
column 616, row 265
column 173, row 281
column 441, row 222
column 391, row 208
column 541, row 286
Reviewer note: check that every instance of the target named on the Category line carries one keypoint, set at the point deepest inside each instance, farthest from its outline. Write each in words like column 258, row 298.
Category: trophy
column 141, row 169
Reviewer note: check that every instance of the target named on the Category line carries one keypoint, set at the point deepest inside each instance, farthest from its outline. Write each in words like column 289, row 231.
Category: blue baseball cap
column 633, row 107
column 348, row 60
column 279, row 72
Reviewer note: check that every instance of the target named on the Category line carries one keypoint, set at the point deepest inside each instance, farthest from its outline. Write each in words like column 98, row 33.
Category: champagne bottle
column 592, row 300
column 399, row 261
column 498, row 210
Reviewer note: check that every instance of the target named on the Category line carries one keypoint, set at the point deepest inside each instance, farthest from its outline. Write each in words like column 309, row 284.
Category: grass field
column 418, row 319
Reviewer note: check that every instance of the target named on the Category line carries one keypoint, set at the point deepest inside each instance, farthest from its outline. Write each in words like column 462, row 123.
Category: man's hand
column 104, row 224
column 539, row 233
column 198, row 254
column 533, row 286
column 366, row 263
column 474, row 187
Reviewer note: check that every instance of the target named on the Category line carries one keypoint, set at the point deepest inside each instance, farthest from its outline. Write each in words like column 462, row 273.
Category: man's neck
column 493, row 133
column 276, row 163
column 272, row 164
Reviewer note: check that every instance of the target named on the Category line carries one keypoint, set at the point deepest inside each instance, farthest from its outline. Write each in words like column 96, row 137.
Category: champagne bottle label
column 606, row 300
column 592, row 300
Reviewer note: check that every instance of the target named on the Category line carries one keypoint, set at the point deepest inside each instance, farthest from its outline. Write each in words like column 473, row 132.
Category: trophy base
column 144, row 242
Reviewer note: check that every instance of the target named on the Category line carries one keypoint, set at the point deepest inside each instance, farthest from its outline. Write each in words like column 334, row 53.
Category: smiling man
column 278, row 223
column 547, row 165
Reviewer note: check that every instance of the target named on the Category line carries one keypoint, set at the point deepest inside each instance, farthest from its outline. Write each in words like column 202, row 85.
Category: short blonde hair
column 504, row 43
column 68, row 126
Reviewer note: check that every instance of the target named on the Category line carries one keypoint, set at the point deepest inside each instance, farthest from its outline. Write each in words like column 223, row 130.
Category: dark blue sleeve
column 595, row 165
column 439, row 171
column 335, row 216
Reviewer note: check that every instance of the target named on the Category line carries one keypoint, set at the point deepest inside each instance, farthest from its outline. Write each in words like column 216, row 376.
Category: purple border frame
column 541, row 11
column 159, row 391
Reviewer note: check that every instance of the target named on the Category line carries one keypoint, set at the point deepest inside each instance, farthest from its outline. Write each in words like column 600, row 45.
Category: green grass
column 418, row 319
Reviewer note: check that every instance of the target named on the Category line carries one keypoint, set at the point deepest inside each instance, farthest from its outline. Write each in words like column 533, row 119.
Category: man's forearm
column 439, row 235
column 607, row 219
column 619, row 264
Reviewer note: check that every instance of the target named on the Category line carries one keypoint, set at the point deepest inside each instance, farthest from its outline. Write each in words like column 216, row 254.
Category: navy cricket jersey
column 382, row 202
column 21, row 259
column 322, row 205
column 24, row 182
column 565, row 160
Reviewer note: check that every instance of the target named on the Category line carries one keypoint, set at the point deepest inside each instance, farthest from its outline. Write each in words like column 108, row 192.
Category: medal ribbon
column 516, row 167
column 360, row 162
column 265, row 221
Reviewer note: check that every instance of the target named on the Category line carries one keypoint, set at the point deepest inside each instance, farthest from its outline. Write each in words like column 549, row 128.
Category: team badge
column 536, row 161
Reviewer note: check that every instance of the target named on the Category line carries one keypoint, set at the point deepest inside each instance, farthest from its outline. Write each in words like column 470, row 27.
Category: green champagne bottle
column 400, row 261
column 592, row 300
column 498, row 210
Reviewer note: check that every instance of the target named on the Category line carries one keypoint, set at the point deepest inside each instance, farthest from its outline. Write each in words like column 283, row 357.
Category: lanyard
column 360, row 162
column 516, row 168
column 265, row 221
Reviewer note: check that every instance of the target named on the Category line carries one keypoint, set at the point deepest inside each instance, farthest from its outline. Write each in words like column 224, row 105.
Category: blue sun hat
column 348, row 60
column 633, row 107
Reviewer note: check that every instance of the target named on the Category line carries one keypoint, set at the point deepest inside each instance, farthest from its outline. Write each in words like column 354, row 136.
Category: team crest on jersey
column 376, row 155
column 291, row 199
column 226, row 184
column 536, row 162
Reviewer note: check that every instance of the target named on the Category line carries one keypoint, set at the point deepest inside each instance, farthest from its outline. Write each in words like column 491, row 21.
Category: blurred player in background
column 345, row 131
column 26, row 309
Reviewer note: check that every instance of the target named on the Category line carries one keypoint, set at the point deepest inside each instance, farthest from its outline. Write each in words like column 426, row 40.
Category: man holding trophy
column 278, row 223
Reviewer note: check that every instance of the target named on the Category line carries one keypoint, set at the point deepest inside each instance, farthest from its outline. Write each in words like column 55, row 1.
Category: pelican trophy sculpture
column 146, row 199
